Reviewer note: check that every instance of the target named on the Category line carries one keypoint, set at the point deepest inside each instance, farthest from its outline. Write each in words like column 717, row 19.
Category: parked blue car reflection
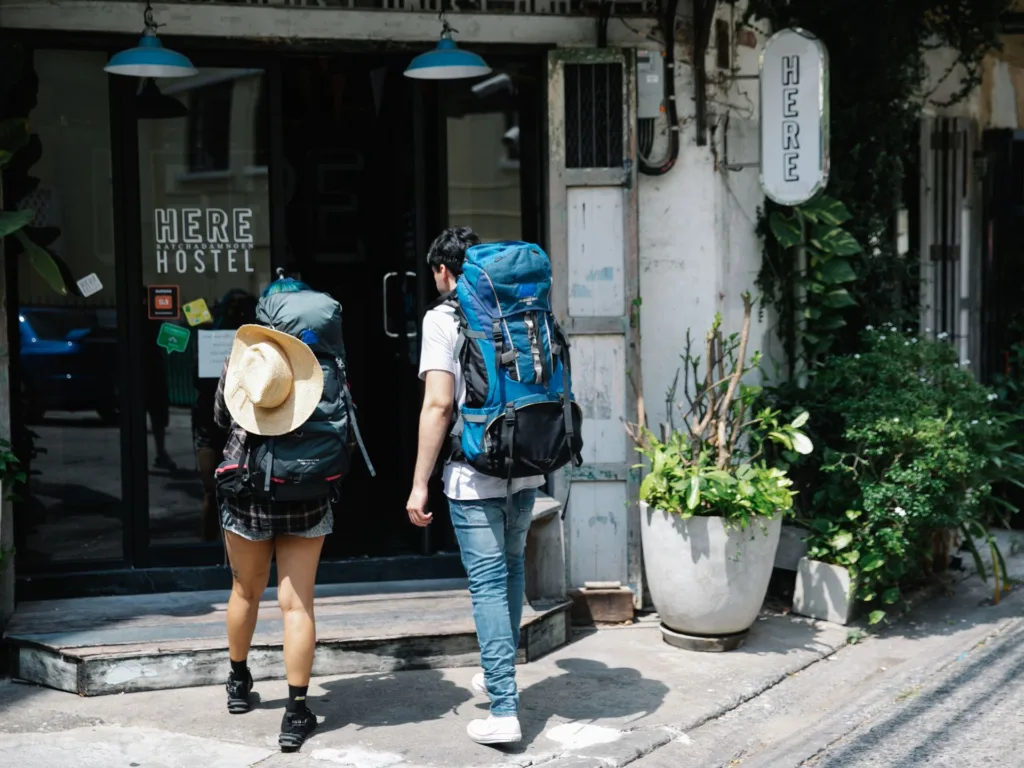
column 68, row 362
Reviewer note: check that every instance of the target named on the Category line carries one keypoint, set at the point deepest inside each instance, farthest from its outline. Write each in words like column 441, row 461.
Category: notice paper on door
column 214, row 348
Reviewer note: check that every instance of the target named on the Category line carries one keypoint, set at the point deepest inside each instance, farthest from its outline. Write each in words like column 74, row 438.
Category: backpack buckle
column 510, row 414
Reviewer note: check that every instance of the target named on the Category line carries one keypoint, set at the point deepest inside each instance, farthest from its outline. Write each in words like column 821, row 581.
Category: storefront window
column 67, row 408
column 206, row 256
column 484, row 190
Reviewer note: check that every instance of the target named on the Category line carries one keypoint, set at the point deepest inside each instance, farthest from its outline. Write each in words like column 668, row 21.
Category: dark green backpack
column 309, row 462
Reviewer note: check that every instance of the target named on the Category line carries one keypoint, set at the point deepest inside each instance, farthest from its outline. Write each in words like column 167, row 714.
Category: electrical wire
column 668, row 27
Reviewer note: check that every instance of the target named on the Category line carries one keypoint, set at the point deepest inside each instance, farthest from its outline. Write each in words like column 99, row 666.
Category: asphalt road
column 973, row 715
column 941, row 686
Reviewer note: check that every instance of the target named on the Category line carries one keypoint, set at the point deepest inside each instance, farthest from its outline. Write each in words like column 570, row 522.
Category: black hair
column 449, row 249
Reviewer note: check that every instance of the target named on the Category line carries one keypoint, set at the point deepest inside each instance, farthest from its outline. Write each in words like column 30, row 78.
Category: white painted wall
column 698, row 247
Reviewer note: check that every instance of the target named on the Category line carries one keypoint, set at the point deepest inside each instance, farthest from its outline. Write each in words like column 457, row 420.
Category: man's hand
column 435, row 420
column 417, row 507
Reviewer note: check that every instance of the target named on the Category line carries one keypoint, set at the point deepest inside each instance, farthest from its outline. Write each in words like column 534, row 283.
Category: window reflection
column 205, row 239
column 67, row 361
column 484, row 187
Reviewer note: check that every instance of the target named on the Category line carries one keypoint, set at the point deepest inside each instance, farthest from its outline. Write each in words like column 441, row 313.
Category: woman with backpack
column 276, row 481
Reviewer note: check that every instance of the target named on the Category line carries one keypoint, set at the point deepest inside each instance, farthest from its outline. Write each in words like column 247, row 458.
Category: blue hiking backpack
column 519, row 417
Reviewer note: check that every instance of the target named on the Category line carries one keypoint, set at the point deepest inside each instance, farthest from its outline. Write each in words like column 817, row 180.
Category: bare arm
column 435, row 421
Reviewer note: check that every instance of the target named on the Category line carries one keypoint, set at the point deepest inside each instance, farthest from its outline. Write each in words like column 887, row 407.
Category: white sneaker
column 495, row 730
column 479, row 685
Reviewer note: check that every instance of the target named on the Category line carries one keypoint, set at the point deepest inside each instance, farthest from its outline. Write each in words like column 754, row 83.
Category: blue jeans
column 493, row 546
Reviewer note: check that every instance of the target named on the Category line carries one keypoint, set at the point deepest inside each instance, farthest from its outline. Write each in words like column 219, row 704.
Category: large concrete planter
column 707, row 580
column 824, row 592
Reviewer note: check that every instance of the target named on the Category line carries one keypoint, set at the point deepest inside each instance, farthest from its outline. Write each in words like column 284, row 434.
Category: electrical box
column 650, row 84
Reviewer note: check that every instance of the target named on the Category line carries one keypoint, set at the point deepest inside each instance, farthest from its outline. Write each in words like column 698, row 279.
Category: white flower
column 914, row 340
column 900, row 511
column 956, row 365
column 974, row 421
column 856, row 357
column 869, row 327
column 992, row 396
column 881, row 338
column 906, row 343
column 927, row 330
column 989, row 421
column 896, row 419
column 943, row 335
column 923, row 379
column 966, row 362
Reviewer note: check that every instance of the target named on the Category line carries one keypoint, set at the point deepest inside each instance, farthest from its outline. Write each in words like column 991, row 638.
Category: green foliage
column 716, row 465
column 878, row 86
column 11, row 473
column 686, row 481
column 817, row 293
column 914, row 449
column 18, row 144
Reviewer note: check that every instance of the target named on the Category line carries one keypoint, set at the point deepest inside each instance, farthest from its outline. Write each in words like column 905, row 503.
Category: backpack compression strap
column 347, row 394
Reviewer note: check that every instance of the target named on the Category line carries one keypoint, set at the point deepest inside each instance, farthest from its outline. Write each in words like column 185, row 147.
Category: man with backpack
column 498, row 411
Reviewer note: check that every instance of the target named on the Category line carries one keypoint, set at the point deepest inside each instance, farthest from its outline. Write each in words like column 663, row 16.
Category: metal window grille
column 593, row 115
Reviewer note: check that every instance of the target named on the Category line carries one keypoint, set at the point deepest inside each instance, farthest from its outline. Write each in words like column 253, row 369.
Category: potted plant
column 711, row 502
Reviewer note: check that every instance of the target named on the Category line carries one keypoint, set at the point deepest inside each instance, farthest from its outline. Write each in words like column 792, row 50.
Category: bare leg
column 297, row 561
column 250, row 571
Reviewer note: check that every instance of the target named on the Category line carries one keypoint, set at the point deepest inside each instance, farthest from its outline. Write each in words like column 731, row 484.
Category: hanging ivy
column 878, row 82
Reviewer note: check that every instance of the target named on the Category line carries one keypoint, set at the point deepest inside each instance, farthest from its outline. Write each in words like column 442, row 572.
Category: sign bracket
column 726, row 165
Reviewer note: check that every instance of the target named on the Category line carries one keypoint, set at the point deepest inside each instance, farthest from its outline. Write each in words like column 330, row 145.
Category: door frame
column 147, row 566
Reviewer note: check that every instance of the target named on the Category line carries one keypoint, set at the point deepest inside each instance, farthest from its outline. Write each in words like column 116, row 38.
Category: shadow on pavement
column 376, row 701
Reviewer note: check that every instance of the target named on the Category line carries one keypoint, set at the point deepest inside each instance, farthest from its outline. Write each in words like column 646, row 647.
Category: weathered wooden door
column 592, row 241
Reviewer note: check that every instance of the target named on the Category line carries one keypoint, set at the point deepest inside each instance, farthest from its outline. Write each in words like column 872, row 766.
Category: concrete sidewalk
column 604, row 699
column 610, row 698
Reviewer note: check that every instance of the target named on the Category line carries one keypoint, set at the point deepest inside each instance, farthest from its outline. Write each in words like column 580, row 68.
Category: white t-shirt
column 437, row 353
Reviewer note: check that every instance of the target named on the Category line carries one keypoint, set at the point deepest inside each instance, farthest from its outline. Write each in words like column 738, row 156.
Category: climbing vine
column 879, row 82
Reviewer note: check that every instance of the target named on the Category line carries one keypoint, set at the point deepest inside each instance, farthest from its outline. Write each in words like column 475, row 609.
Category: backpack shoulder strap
column 449, row 299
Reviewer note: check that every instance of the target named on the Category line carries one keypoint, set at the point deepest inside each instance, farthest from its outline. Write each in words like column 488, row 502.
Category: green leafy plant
column 812, row 250
column 19, row 149
column 716, row 464
column 920, row 444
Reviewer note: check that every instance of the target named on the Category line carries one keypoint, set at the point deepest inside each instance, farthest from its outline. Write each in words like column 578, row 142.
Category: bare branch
column 723, row 448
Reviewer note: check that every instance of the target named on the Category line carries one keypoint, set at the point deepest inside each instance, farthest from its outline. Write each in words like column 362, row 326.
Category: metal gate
column 949, row 234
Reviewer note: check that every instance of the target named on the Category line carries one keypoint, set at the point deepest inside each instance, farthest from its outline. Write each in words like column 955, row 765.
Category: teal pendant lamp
column 447, row 61
column 150, row 58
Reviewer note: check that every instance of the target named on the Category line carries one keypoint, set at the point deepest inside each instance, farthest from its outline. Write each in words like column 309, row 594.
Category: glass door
column 67, row 347
column 203, row 155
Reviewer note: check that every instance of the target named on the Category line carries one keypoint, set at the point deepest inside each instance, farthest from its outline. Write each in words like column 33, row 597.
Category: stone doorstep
column 159, row 665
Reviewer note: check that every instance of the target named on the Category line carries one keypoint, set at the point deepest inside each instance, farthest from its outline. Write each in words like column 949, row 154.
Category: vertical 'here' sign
column 794, row 117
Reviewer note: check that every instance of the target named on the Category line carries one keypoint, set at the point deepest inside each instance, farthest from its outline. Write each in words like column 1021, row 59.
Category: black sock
column 296, row 698
column 239, row 669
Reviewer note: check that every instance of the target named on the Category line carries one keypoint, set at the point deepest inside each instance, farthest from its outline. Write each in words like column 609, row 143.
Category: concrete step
column 102, row 645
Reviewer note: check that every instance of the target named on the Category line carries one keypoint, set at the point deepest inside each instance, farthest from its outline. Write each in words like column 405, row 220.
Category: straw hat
column 273, row 382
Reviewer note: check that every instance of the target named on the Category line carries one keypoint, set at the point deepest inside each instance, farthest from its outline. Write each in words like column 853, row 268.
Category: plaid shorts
column 230, row 522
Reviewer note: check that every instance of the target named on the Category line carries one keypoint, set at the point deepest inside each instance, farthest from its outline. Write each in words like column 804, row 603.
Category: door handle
column 384, row 289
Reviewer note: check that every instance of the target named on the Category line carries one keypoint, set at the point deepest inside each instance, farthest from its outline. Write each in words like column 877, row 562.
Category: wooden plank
column 599, row 364
column 597, row 526
column 547, row 635
column 286, row 24
column 45, row 667
column 117, row 669
column 596, row 268
column 184, row 607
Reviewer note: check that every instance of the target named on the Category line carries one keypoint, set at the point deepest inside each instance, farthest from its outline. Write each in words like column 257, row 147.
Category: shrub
column 914, row 445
